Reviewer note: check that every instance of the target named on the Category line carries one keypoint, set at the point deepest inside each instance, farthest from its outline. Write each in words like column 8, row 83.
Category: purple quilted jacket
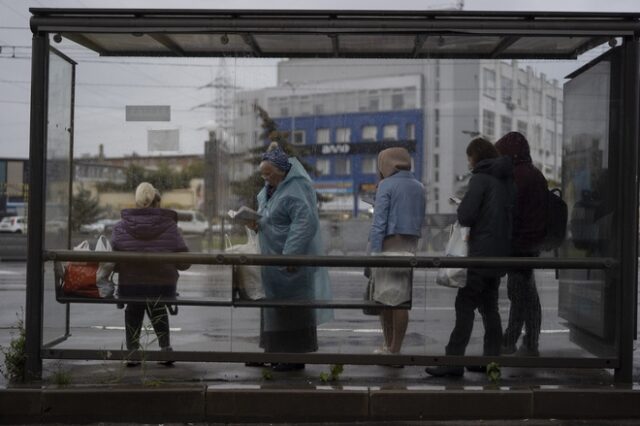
column 148, row 230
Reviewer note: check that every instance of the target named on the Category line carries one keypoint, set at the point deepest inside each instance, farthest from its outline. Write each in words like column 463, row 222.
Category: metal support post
column 629, row 207
column 37, row 167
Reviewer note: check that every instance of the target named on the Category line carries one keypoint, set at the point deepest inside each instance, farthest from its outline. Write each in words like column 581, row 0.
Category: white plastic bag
column 104, row 280
column 392, row 285
column 458, row 247
column 248, row 279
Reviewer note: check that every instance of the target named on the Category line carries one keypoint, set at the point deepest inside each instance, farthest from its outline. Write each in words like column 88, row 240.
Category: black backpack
column 556, row 220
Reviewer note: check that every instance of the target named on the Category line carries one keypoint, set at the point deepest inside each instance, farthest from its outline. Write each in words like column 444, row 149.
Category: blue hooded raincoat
column 290, row 226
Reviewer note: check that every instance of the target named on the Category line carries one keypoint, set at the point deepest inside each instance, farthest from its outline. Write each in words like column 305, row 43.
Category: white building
column 459, row 99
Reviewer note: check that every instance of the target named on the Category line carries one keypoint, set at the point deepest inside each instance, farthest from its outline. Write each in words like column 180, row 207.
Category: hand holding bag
column 368, row 297
column 458, row 247
column 247, row 280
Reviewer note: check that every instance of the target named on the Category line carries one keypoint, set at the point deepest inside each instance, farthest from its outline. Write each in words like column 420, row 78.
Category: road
column 225, row 328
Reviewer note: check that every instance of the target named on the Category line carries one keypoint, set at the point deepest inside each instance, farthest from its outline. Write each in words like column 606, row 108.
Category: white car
column 15, row 224
column 99, row 226
column 192, row 222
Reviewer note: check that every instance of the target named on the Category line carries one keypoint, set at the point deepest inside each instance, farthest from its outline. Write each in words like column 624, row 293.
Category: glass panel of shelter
column 220, row 174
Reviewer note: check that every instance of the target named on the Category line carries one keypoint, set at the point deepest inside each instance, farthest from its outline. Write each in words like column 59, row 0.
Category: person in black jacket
column 486, row 210
column 529, row 227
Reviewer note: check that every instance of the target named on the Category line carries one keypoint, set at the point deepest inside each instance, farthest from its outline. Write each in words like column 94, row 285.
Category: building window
column 550, row 107
column 506, row 87
column 343, row 135
column 342, row 166
column 523, row 96
column 436, row 161
column 535, row 138
column 397, row 101
column 436, row 176
column 489, row 83
column 390, row 132
column 549, row 139
column 522, row 127
column 436, row 130
column 411, row 131
column 488, row 123
column 370, row 164
column 298, row 137
column 369, row 133
column 536, row 99
column 284, row 111
column 323, row 166
column 323, row 136
column 374, row 104
column 505, row 124
column 318, row 109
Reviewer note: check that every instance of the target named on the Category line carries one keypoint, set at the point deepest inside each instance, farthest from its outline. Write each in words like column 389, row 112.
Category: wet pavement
column 224, row 392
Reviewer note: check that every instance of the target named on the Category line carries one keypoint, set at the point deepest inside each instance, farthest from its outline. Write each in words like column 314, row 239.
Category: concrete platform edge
column 212, row 404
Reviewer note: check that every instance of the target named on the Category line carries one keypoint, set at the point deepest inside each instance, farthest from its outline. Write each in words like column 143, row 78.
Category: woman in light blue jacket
column 289, row 225
column 398, row 216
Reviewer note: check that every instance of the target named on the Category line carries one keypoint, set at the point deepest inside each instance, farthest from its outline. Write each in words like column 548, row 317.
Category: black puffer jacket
column 487, row 208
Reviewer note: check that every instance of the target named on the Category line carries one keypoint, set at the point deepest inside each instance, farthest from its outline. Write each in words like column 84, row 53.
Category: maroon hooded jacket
column 529, row 219
column 148, row 230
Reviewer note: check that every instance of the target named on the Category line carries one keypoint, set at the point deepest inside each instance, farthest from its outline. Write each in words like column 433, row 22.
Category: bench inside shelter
column 235, row 301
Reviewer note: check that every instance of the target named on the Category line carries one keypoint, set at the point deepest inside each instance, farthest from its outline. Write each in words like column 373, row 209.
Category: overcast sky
column 103, row 90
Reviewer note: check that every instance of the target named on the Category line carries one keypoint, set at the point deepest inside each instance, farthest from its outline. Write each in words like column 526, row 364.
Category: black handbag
column 368, row 297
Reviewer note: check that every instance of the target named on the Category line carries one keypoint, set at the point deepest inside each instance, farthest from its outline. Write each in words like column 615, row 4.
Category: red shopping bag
column 80, row 277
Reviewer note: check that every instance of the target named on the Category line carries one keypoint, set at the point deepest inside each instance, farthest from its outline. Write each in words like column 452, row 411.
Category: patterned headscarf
column 277, row 157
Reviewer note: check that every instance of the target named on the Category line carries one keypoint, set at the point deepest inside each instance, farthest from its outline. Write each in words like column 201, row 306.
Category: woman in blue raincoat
column 289, row 225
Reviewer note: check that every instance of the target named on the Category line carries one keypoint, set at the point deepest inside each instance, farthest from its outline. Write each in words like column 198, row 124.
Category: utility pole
column 211, row 181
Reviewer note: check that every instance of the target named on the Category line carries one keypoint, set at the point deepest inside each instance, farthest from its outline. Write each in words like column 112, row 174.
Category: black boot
column 445, row 370
column 281, row 367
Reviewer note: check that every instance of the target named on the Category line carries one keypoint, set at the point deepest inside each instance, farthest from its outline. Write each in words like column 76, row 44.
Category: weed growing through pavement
column 61, row 376
column 333, row 375
column 493, row 372
column 267, row 374
column 15, row 357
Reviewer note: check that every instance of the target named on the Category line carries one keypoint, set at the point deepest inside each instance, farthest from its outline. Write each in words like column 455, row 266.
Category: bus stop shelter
column 345, row 34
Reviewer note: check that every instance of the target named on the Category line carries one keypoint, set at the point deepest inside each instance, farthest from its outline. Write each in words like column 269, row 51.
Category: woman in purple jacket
column 147, row 228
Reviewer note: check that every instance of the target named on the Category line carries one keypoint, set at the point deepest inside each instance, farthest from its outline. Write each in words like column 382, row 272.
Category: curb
column 323, row 404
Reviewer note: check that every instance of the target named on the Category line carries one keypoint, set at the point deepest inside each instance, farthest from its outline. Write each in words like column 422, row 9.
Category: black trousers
column 525, row 307
column 480, row 292
column 134, row 316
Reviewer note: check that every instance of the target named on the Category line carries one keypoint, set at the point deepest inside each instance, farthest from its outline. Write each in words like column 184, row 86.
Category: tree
column 248, row 188
column 84, row 208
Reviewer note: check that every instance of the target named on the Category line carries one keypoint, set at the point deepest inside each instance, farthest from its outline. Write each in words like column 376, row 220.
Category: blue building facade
column 344, row 148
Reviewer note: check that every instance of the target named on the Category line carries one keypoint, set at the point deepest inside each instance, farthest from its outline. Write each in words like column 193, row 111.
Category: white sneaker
column 381, row 351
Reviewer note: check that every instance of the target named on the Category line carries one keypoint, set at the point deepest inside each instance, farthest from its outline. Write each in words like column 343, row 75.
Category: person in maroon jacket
column 147, row 228
column 528, row 233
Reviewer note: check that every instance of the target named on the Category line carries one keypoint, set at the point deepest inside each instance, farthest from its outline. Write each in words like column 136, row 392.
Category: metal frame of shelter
column 351, row 34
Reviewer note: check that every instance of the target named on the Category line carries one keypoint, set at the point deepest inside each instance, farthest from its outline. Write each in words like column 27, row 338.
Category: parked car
column 192, row 222
column 99, row 226
column 15, row 224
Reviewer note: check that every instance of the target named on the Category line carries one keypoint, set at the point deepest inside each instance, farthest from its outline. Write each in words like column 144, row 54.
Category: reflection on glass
column 57, row 182
column 586, row 297
column 334, row 116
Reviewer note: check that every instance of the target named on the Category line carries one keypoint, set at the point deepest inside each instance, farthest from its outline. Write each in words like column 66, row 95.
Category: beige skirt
column 392, row 286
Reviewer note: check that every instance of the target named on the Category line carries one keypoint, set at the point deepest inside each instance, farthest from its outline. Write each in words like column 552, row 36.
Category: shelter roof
column 326, row 33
